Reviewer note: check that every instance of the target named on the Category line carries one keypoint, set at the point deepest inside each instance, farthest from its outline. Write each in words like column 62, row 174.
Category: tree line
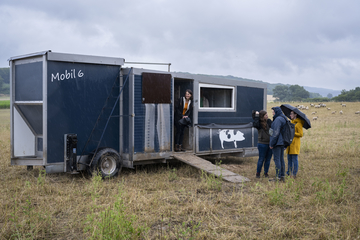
column 5, row 80
column 292, row 93
column 284, row 93
column 352, row 95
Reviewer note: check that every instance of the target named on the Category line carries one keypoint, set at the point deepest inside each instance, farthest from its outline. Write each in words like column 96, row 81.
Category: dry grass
column 322, row 203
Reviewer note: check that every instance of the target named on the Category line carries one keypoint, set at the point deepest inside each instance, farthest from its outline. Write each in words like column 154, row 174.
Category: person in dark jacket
column 183, row 110
column 277, row 142
column 263, row 124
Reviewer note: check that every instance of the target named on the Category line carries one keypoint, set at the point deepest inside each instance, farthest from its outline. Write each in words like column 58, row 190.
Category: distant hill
column 323, row 91
column 270, row 86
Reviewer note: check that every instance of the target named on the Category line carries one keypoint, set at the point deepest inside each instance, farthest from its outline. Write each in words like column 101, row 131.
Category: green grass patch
column 5, row 104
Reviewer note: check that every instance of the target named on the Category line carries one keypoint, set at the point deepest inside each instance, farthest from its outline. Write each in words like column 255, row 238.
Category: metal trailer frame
column 128, row 156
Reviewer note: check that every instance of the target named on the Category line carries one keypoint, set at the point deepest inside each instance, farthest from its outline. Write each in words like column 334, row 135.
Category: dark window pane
column 216, row 97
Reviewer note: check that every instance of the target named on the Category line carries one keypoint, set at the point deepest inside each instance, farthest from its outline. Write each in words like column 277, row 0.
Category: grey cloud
column 289, row 41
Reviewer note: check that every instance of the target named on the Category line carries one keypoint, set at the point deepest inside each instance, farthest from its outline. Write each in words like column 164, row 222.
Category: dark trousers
column 278, row 153
column 179, row 133
column 265, row 154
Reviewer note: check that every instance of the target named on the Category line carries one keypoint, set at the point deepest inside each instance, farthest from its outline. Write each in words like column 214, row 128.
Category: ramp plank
column 210, row 168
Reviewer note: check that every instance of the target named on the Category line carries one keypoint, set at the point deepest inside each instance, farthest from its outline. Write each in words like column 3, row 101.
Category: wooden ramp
column 197, row 162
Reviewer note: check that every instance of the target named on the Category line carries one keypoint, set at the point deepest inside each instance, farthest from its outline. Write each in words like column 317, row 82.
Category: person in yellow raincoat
column 294, row 149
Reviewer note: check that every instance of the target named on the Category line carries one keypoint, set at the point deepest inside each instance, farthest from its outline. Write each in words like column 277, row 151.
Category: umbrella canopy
column 287, row 108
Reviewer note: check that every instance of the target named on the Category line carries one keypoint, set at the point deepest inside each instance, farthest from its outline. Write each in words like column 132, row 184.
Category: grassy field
column 4, row 104
column 179, row 202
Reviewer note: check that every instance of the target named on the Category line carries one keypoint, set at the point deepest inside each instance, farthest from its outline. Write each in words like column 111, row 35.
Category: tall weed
column 114, row 223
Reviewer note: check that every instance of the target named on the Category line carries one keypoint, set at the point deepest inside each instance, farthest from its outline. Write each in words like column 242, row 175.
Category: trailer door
column 156, row 97
column 27, row 111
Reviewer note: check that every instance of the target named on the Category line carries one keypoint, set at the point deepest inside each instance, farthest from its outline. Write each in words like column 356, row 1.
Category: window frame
column 217, row 109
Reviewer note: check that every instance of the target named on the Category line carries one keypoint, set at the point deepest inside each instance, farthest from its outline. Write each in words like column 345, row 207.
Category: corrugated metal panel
column 126, row 119
column 149, row 127
column 164, row 126
column 139, row 120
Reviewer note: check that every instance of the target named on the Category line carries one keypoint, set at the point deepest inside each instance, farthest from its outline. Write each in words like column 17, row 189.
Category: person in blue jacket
column 277, row 143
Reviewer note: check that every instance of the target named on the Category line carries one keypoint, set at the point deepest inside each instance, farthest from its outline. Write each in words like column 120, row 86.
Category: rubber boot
column 181, row 149
column 177, row 147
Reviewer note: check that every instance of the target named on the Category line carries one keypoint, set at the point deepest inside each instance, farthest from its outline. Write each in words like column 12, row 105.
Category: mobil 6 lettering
column 71, row 74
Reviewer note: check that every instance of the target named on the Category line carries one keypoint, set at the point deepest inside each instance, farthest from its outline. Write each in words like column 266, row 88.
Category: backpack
column 288, row 132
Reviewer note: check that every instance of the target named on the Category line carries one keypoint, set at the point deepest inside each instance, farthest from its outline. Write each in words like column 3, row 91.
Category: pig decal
column 227, row 135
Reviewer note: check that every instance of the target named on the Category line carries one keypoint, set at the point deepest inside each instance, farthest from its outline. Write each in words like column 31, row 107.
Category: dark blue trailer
column 75, row 112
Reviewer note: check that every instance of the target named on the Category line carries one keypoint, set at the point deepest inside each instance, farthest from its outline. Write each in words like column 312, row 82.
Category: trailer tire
column 107, row 162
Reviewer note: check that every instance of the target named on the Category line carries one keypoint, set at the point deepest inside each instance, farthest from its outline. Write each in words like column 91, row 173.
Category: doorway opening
column 180, row 87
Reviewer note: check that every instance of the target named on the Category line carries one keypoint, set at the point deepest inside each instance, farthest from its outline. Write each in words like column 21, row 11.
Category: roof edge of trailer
column 68, row 57
column 215, row 80
column 36, row 54
column 204, row 78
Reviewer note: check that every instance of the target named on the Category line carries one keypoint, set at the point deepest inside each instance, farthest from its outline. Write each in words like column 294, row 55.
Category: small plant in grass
column 330, row 192
column 27, row 184
column 298, row 190
column 41, row 177
column 172, row 175
column 187, row 231
column 342, row 172
column 114, row 223
column 276, row 196
column 96, row 183
column 184, row 230
column 27, row 223
column 212, row 182
column 322, row 189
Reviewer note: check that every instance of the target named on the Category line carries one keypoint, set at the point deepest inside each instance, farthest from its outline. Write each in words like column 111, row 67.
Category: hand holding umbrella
column 287, row 108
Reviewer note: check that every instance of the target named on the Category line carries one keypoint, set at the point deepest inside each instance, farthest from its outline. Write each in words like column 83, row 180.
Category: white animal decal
column 230, row 136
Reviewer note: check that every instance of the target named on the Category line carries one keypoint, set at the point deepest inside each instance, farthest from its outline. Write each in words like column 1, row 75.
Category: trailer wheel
column 106, row 162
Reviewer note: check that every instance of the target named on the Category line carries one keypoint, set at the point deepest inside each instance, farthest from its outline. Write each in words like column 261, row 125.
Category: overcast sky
column 305, row 42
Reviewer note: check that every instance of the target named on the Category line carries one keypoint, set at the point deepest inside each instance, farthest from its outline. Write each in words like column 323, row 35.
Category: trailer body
column 65, row 108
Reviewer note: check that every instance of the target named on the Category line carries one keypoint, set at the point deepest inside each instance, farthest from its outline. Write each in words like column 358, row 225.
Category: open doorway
column 180, row 87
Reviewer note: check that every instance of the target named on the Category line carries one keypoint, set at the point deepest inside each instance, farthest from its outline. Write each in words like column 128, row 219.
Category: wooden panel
column 156, row 88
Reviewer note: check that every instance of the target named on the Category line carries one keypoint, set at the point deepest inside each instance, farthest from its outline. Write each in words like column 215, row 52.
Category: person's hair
column 189, row 91
column 262, row 120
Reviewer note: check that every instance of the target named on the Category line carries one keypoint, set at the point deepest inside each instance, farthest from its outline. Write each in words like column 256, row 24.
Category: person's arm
column 275, row 126
column 256, row 122
column 179, row 108
column 299, row 130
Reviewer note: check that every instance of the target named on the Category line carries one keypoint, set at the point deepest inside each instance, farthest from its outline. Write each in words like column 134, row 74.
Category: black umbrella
column 287, row 108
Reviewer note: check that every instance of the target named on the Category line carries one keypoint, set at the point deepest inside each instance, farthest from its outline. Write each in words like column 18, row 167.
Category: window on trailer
column 216, row 97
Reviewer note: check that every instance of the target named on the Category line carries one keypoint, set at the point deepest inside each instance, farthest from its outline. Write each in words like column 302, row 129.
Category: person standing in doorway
column 183, row 110
column 294, row 149
column 263, row 124
column 277, row 143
